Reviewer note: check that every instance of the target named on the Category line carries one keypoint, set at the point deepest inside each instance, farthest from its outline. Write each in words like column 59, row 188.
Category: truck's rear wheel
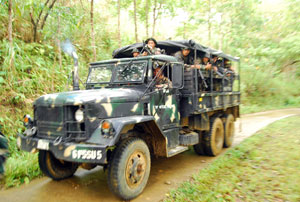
column 214, row 138
column 199, row 148
column 229, row 131
column 55, row 168
column 129, row 168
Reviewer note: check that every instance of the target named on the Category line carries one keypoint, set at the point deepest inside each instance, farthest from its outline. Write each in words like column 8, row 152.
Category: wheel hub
column 135, row 169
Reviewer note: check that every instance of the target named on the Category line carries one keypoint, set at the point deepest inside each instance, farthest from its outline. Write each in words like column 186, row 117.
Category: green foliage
column 21, row 168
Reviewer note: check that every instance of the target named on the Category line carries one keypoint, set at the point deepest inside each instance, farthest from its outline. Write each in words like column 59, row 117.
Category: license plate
column 87, row 154
column 43, row 145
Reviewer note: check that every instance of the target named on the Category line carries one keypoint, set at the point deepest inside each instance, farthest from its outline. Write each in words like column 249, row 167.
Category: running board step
column 188, row 139
column 176, row 150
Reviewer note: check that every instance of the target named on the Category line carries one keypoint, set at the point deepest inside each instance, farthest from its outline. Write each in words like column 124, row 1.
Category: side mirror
column 177, row 75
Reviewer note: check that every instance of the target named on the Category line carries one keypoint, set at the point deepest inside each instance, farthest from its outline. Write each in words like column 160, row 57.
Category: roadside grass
column 265, row 167
column 21, row 168
column 247, row 109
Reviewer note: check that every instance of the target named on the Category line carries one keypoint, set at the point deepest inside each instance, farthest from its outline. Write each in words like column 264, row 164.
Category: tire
column 55, row 168
column 198, row 148
column 129, row 168
column 229, row 131
column 214, row 138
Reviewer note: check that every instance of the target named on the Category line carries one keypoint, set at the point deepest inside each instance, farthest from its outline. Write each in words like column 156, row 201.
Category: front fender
column 118, row 124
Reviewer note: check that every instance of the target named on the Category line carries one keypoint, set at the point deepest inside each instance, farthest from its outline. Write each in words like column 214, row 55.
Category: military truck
column 122, row 119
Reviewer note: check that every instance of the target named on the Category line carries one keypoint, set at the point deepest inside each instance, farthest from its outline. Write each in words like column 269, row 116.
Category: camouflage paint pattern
column 55, row 128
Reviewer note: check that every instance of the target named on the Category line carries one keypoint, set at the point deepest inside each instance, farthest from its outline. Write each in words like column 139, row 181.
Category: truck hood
column 105, row 95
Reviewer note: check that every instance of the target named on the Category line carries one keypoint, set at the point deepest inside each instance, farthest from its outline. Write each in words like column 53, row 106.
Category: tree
column 135, row 21
column 58, row 40
column 92, row 30
column 119, row 23
column 10, row 22
column 10, row 37
column 146, row 17
column 162, row 8
column 209, row 22
column 156, row 12
column 39, row 23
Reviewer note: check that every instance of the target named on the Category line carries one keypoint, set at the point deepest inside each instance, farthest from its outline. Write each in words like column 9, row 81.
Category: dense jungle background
column 265, row 34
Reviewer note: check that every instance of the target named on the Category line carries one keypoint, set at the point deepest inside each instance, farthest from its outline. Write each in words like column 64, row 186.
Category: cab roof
column 172, row 47
column 166, row 58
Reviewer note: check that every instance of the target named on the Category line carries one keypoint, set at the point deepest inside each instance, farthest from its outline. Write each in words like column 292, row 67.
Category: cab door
column 164, row 102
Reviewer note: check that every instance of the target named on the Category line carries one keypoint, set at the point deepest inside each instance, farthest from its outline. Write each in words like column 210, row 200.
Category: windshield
column 118, row 73
column 100, row 74
column 129, row 72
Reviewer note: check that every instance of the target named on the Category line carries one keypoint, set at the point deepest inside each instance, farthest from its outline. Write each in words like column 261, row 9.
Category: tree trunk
column 154, row 19
column 47, row 14
column 155, row 15
column 10, row 23
column 36, row 26
column 119, row 23
column 184, row 30
column 221, row 34
column 147, row 22
column 135, row 21
column 92, row 29
column 58, row 41
column 209, row 22
column 10, row 37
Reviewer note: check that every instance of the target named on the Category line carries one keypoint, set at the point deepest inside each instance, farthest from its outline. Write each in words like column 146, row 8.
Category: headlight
column 79, row 116
column 28, row 123
column 107, row 128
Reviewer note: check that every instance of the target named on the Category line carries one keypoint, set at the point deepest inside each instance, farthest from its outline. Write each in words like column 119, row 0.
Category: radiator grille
column 53, row 122
column 49, row 114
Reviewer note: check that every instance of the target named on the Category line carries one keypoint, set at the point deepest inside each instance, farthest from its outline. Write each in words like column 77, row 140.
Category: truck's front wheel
column 129, row 168
column 55, row 168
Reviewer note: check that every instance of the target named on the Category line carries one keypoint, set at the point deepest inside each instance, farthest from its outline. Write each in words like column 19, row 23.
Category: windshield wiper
column 127, row 66
column 154, row 79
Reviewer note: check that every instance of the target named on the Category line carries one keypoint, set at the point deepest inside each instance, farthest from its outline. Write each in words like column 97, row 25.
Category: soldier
column 206, row 64
column 217, row 65
column 185, row 57
column 228, row 66
column 161, row 80
column 3, row 152
column 230, row 76
column 151, row 48
column 135, row 52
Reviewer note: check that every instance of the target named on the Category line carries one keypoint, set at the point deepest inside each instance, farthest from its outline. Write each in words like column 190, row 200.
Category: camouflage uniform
column 164, row 81
column 153, row 51
column 3, row 153
column 185, row 60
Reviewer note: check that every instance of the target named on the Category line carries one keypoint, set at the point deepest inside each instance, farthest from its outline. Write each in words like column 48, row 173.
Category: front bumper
column 73, row 152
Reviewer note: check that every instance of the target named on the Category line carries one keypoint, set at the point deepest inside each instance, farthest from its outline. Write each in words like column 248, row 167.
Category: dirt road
column 166, row 174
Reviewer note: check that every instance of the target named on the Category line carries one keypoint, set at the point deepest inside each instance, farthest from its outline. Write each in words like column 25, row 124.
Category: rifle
column 222, row 75
column 200, row 72
column 145, row 47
